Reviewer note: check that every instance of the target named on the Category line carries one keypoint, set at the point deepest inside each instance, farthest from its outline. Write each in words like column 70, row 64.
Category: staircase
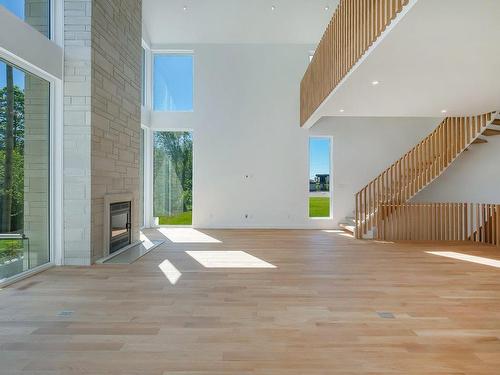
column 418, row 168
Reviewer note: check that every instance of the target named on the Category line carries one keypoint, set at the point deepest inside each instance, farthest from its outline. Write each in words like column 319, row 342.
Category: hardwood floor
column 332, row 305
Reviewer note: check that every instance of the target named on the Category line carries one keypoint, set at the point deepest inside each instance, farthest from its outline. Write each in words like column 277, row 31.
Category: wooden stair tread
column 420, row 166
column 478, row 141
column 347, row 227
column 491, row 132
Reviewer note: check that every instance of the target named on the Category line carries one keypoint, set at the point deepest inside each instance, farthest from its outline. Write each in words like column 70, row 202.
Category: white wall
column 365, row 147
column 474, row 177
column 246, row 122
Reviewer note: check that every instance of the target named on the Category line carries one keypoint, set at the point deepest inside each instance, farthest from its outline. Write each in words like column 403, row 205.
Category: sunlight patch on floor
column 170, row 271
column 467, row 258
column 228, row 259
column 339, row 232
column 345, row 234
column 187, row 235
column 146, row 242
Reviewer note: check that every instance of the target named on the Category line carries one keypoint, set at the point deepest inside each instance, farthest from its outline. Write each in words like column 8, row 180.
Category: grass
column 10, row 249
column 319, row 207
column 185, row 218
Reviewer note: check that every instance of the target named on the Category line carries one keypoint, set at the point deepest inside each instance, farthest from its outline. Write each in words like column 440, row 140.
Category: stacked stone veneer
column 77, row 130
column 116, row 108
column 101, row 118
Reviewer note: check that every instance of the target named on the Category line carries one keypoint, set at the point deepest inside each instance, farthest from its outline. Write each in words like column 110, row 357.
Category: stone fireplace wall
column 115, row 110
column 77, row 130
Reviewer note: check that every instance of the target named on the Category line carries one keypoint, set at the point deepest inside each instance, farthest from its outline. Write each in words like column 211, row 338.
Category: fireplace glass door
column 120, row 227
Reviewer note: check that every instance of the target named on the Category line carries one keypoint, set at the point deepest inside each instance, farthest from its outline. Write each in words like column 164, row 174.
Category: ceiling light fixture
column 327, row 8
column 185, row 7
column 341, row 111
column 444, row 111
column 375, row 83
column 273, row 7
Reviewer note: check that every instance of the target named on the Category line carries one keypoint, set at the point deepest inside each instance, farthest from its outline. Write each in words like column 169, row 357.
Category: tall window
column 173, row 83
column 24, row 171
column 319, row 177
column 173, row 178
column 141, row 178
column 143, row 78
column 33, row 12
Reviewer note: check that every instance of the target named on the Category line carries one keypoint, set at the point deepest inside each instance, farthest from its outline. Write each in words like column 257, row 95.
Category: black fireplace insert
column 120, row 226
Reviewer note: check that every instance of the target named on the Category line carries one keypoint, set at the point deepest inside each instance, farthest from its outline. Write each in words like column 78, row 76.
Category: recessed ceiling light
column 273, row 7
column 341, row 111
column 185, row 7
column 327, row 8
column 375, row 83
column 444, row 111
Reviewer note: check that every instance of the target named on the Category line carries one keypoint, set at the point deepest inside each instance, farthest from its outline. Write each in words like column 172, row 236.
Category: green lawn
column 10, row 249
column 319, row 207
column 186, row 218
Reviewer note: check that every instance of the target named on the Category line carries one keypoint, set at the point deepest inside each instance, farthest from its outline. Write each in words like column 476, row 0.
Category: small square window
column 173, row 83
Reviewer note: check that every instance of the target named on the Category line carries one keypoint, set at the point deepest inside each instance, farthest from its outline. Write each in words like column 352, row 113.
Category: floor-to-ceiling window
column 320, row 177
column 173, row 177
column 24, row 171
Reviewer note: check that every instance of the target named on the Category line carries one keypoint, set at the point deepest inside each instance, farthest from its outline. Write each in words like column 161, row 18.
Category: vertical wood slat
column 354, row 27
column 476, row 222
column 419, row 167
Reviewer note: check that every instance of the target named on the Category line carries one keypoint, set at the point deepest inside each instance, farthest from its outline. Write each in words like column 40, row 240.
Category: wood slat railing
column 476, row 222
column 417, row 168
column 354, row 27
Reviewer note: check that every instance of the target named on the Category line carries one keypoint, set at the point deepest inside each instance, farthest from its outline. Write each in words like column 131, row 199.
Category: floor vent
column 65, row 313
column 386, row 315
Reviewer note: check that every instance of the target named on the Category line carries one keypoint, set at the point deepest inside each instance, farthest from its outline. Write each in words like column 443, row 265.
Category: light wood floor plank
column 320, row 311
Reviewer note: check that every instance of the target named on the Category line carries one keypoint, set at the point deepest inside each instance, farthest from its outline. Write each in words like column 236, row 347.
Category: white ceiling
column 442, row 55
column 236, row 21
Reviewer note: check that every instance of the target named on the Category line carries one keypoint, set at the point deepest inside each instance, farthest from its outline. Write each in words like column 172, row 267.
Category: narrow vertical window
column 141, row 178
column 24, row 171
column 143, row 78
column 173, row 178
column 173, row 83
column 319, row 177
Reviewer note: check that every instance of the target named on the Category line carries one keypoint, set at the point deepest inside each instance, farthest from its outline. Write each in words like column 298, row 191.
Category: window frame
column 172, row 52
column 151, row 182
column 55, row 168
column 330, row 178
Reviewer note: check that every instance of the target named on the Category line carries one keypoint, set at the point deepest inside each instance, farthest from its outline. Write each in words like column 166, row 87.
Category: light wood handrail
column 417, row 168
column 354, row 27
column 476, row 222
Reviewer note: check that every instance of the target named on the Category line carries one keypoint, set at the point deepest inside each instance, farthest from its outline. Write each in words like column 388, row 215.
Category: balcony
column 429, row 57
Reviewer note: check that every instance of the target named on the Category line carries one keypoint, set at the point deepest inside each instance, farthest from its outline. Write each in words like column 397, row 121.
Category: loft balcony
column 418, row 58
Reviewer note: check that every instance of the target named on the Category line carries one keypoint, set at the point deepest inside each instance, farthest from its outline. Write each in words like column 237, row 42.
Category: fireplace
column 120, row 228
